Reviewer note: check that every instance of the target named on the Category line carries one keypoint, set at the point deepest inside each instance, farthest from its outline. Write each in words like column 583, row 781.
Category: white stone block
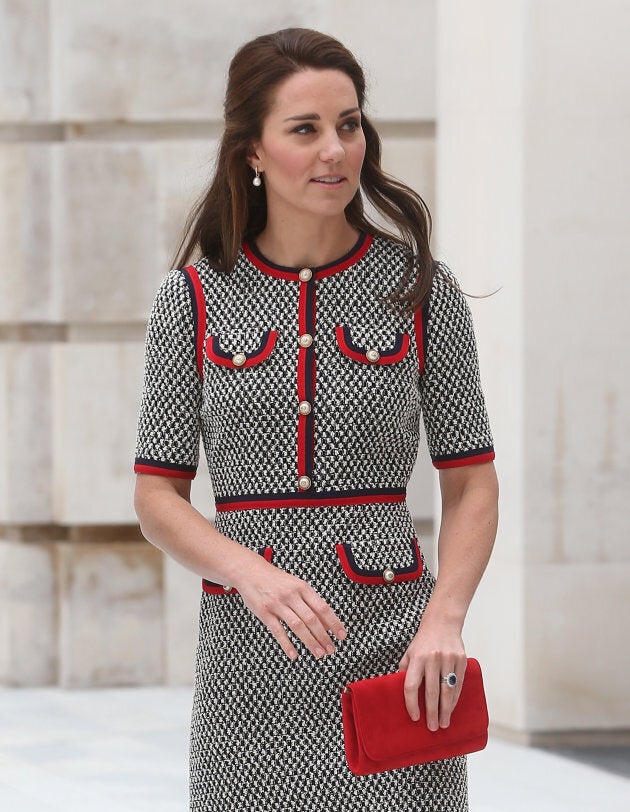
column 161, row 63
column 576, row 651
column 96, row 396
column 184, row 170
column 25, row 267
column 106, row 231
column 28, row 617
column 396, row 46
column 110, row 614
column 24, row 61
column 182, row 592
column 412, row 160
column 25, row 432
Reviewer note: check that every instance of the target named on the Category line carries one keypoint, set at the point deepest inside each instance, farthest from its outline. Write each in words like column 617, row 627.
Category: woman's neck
column 308, row 244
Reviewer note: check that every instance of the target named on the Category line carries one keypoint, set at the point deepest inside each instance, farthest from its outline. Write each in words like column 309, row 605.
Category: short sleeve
column 169, row 423
column 453, row 406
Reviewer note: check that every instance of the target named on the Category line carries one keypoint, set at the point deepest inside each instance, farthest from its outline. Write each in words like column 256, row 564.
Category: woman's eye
column 351, row 125
column 304, row 129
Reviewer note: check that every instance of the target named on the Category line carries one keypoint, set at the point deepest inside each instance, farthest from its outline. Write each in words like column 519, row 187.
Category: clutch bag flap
column 379, row 732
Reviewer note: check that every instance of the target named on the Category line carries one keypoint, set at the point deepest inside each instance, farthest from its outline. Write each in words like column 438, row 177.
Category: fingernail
column 341, row 634
column 330, row 648
column 433, row 727
column 319, row 651
column 293, row 655
column 415, row 717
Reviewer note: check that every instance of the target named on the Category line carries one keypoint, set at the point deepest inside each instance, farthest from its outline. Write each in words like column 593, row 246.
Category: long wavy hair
column 233, row 210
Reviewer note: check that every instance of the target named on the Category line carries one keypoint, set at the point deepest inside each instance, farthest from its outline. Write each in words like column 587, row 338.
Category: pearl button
column 305, row 274
column 227, row 588
column 388, row 575
column 372, row 356
column 304, row 407
column 239, row 359
column 304, row 483
column 305, row 340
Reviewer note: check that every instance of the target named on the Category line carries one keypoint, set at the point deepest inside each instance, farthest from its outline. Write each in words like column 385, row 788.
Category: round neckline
column 358, row 250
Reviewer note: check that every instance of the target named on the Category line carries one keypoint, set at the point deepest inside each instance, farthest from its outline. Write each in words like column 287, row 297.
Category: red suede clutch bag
column 379, row 734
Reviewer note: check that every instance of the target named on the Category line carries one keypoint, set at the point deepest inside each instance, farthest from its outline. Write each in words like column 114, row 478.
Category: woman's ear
column 253, row 157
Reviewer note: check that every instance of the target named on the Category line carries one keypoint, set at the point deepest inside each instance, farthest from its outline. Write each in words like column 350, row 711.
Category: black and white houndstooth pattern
column 266, row 732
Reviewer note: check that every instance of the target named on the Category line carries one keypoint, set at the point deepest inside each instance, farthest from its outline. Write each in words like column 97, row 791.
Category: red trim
column 458, row 463
column 358, row 254
column 201, row 315
column 301, row 382
column 252, row 360
column 385, row 358
column 419, row 331
column 318, row 273
column 217, row 589
column 378, row 580
column 156, row 471
column 303, row 501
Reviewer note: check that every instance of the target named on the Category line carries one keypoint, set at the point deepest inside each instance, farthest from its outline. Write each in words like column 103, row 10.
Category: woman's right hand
column 276, row 597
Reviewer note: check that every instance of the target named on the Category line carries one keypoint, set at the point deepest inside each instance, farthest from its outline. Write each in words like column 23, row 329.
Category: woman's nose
column 332, row 149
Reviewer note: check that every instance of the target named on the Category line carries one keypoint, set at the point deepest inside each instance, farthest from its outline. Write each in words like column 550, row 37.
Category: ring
column 450, row 680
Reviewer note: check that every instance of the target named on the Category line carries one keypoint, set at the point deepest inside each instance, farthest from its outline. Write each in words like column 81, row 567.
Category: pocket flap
column 374, row 356
column 382, row 571
column 238, row 359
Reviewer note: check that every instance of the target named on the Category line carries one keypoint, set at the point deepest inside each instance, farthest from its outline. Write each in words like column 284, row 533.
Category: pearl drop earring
column 257, row 181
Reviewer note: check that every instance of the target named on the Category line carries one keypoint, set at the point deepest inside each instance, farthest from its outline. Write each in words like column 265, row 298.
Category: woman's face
column 312, row 145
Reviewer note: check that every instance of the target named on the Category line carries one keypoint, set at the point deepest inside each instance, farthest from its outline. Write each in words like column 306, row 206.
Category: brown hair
column 232, row 209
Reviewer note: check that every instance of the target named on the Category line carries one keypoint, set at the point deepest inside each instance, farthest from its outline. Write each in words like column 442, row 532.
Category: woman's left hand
column 434, row 652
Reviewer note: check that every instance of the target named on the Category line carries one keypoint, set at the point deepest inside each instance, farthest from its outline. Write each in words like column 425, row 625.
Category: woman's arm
column 170, row 522
column 467, row 532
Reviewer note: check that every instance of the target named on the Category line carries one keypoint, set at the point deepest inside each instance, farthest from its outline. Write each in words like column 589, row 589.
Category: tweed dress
column 307, row 391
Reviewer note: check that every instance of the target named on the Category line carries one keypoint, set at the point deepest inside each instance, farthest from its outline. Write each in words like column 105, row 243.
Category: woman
column 303, row 347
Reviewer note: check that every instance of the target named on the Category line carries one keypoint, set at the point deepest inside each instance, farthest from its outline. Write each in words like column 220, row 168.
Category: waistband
column 271, row 501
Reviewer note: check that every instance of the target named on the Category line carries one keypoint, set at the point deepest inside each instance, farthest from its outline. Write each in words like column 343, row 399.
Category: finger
column 306, row 626
column 279, row 632
column 327, row 617
column 432, row 691
column 413, row 679
column 449, row 696
column 404, row 662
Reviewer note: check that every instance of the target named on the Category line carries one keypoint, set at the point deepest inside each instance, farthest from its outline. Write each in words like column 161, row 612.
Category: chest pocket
column 235, row 358
column 371, row 355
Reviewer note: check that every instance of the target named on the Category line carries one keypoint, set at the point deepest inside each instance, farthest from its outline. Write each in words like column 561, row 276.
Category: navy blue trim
column 383, row 353
column 379, row 572
column 193, row 302
column 315, row 268
column 217, row 349
column 280, row 497
column 168, row 466
column 463, row 455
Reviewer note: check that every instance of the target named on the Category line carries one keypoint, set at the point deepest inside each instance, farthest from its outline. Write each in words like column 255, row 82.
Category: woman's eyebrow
column 316, row 116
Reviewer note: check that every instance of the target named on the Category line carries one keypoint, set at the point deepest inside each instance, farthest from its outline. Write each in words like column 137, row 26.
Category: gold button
column 239, row 359
column 372, row 356
column 388, row 575
column 304, row 407
column 304, row 483
column 305, row 274
column 305, row 340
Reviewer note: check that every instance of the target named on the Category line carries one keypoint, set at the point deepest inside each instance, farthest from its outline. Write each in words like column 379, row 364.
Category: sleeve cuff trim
column 170, row 469
column 466, row 458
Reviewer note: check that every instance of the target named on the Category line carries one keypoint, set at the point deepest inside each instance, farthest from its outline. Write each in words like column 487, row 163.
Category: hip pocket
column 381, row 565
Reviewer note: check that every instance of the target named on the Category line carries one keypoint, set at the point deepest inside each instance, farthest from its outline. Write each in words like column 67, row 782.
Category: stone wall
column 109, row 115
column 533, row 171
